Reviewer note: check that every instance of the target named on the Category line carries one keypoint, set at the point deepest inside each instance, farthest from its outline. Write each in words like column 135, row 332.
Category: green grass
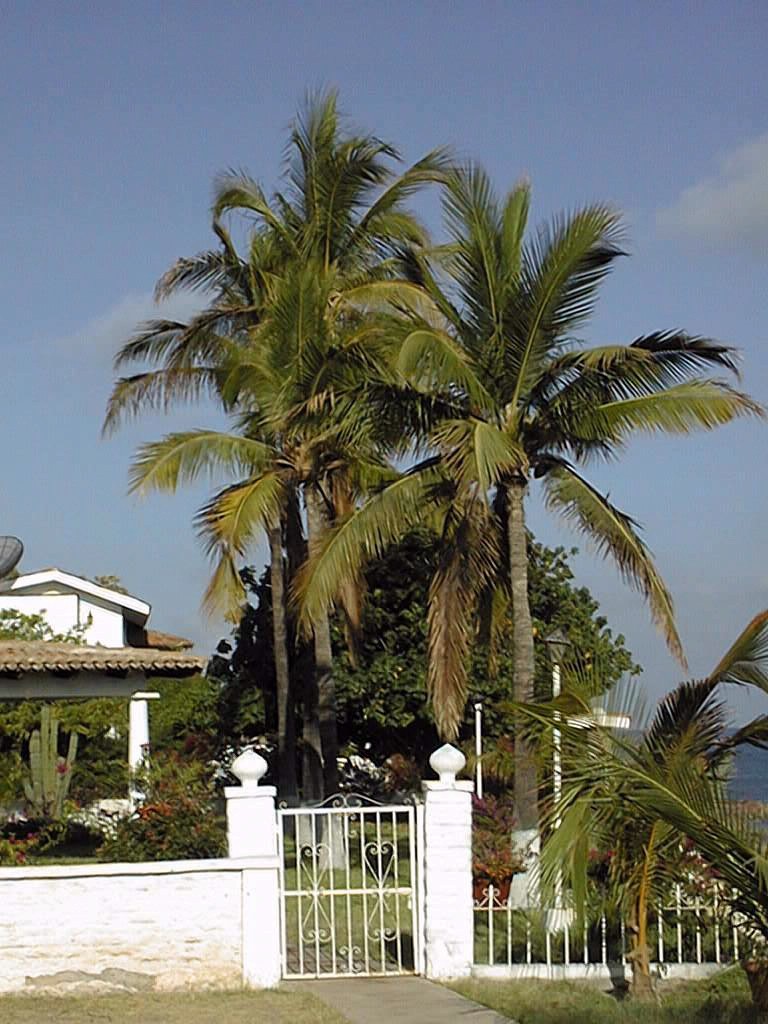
column 169, row 1008
column 721, row 1000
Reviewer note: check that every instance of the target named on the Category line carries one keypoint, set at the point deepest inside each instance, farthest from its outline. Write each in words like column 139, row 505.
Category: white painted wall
column 59, row 610
column 107, row 628
column 179, row 924
column 63, row 611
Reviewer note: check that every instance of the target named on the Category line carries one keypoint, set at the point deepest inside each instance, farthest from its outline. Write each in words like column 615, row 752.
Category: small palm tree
column 642, row 798
column 501, row 392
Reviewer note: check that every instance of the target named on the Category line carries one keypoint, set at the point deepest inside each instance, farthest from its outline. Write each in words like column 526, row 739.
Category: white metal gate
column 350, row 897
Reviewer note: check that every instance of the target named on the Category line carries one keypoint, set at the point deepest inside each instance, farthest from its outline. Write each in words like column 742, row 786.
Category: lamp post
column 478, row 705
column 558, row 644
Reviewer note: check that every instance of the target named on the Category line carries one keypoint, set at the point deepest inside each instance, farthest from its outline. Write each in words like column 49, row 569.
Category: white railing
column 688, row 932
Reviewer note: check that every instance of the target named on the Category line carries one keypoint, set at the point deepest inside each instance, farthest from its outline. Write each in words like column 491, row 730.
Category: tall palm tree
column 642, row 797
column 334, row 243
column 195, row 357
column 503, row 392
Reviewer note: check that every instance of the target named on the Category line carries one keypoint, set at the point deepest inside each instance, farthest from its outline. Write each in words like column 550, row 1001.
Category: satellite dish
column 11, row 550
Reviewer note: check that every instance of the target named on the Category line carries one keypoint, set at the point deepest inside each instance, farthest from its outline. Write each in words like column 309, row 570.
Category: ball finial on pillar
column 250, row 768
column 447, row 762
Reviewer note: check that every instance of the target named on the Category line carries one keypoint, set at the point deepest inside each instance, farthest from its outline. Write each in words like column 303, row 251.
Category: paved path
column 397, row 1001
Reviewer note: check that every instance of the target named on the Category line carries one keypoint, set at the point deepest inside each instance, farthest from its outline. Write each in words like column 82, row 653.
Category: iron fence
column 688, row 930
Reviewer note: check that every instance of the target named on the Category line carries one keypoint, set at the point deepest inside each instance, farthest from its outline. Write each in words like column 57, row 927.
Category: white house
column 110, row 618
column 119, row 653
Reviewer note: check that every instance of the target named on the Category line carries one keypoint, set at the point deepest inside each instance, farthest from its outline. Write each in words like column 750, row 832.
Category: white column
column 447, row 866
column 252, row 832
column 479, row 749
column 138, row 737
column 558, row 916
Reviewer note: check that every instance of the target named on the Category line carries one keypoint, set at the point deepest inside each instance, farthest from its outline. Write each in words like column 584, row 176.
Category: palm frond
column 695, row 404
column 432, row 168
column 563, row 267
column 472, row 215
column 225, row 593
column 514, row 221
column 614, row 535
column 648, row 364
column 157, row 390
column 432, row 361
column 753, row 734
column 477, row 453
column 746, row 661
column 388, row 297
column 236, row 190
column 366, row 534
column 238, row 514
column 152, row 342
column 211, row 271
column 687, row 722
column 182, row 457
column 451, row 613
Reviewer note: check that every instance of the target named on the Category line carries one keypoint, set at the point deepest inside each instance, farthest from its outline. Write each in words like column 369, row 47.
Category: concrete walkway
column 397, row 1001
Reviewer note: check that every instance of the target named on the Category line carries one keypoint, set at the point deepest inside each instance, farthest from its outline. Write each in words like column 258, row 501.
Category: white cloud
column 107, row 331
column 728, row 207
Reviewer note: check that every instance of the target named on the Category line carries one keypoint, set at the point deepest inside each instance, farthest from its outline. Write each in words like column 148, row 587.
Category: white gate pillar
column 447, row 869
column 252, row 833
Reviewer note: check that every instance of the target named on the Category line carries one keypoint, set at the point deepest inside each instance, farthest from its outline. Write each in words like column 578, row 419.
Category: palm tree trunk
column 286, row 712
column 757, row 976
column 642, row 983
column 326, row 687
column 311, row 746
column 525, row 786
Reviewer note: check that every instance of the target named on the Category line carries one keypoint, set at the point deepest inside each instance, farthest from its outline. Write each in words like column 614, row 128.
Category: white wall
column 178, row 924
column 107, row 626
column 64, row 611
column 59, row 610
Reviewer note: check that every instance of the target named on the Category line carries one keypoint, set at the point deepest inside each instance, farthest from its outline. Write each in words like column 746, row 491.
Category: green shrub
column 176, row 820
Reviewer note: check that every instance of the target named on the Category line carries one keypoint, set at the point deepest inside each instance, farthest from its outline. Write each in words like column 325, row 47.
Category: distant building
column 117, row 658
column 108, row 617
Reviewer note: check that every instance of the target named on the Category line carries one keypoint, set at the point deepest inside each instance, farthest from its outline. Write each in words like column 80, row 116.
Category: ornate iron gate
column 350, row 896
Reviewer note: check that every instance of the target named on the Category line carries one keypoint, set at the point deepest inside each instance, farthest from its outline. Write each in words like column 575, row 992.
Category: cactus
column 47, row 785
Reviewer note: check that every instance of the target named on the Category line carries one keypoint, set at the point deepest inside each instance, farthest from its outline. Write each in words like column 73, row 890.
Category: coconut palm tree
column 642, row 797
column 503, row 393
column 326, row 256
column 194, row 358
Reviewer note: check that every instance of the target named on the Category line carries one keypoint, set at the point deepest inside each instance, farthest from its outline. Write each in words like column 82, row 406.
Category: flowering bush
column 398, row 776
column 403, row 775
column 176, row 820
column 14, row 852
column 358, row 774
column 493, row 858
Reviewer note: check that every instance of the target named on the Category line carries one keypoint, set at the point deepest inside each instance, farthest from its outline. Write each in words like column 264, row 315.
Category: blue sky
column 115, row 118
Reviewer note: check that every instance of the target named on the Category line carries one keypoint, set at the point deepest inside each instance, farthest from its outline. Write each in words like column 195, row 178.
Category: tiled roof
column 18, row 657
column 167, row 641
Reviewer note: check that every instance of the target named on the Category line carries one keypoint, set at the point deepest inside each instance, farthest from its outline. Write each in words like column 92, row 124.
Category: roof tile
column 19, row 657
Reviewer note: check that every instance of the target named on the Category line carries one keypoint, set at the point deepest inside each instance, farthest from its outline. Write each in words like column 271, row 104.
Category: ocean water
column 750, row 779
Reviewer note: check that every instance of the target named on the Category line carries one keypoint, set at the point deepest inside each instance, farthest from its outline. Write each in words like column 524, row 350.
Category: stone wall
column 165, row 925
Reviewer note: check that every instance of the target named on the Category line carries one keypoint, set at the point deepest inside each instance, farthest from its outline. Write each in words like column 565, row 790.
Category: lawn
column 169, row 1008
column 722, row 1000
